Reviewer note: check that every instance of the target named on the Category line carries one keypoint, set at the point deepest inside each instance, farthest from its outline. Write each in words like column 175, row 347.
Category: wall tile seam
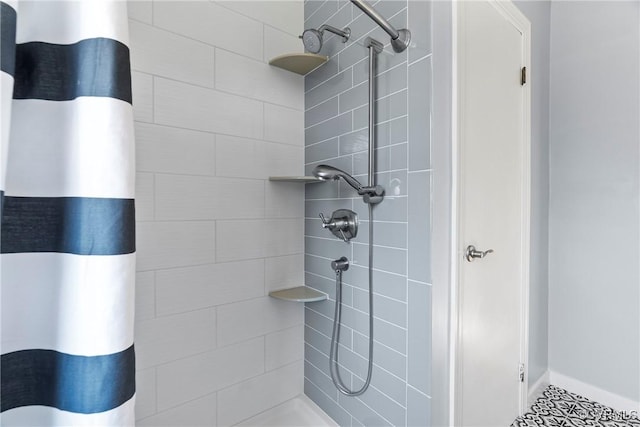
column 358, row 107
column 214, row 89
column 375, row 317
column 385, row 346
column 348, row 75
column 258, row 376
column 375, row 294
column 226, row 219
column 308, row 307
column 358, row 265
column 329, row 239
column 208, row 307
column 307, row 343
column 380, row 73
column 210, row 263
column 262, row 334
column 171, row 408
column 180, row 174
column 259, row 140
column 265, row 24
column 382, row 296
column 249, row 259
column 375, row 245
column 409, row 386
column 306, row 21
column 421, row 58
column 430, row 170
column 212, row 220
column 402, row 405
column 333, row 399
column 372, row 410
column 363, row 151
column 352, row 111
column 238, row 220
column 419, row 282
column 165, row 316
column 352, row 67
column 278, row 70
column 160, row 270
column 211, row 350
column 360, row 312
column 138, row 20
column 164, row 30
column 168, row 30
column 153, row 99
column 356, row 198
column 226, row 92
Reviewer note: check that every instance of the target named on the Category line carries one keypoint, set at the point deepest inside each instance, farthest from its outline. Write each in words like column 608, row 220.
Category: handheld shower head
column 371, row 195
column 326, row 173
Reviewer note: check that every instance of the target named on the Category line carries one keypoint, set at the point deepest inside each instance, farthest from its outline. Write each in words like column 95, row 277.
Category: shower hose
column 335, row 336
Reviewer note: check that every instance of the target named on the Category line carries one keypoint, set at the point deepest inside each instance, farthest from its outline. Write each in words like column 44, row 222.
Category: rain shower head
column 312, row 38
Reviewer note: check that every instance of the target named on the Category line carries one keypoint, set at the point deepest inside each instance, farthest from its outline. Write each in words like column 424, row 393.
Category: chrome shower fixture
column 312, row 38
column 343, row 224
column 371, row 194
column 400, row 39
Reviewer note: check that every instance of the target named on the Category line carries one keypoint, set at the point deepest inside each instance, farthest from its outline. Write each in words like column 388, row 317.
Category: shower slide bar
column 400, row 39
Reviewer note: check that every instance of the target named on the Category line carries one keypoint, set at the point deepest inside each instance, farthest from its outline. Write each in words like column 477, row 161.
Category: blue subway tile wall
column 336, row 133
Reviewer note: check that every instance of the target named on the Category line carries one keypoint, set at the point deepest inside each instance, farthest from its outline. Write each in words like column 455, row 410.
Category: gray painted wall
column 335, row 122
column 594, row 193
column 538, row 13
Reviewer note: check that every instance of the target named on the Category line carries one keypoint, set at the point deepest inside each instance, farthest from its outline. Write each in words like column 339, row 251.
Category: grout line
column 422, row 58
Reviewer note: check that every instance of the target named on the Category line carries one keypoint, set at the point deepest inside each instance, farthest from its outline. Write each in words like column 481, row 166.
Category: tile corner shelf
column 299, row 294
column 299, row 63
column 301, row 179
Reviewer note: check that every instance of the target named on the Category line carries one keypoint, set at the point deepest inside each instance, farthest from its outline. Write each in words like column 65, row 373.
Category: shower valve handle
column 343, row 224
column 335, row 226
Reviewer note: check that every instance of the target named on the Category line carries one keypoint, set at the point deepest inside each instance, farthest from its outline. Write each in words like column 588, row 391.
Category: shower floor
column 297, row 412
column 560, row 408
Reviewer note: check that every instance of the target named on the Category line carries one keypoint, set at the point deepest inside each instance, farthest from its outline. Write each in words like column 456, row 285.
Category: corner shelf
column 300, row 179
column 299, row 63
column 299, row 294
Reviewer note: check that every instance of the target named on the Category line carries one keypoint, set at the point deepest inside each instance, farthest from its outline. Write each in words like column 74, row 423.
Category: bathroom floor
column 560, row 408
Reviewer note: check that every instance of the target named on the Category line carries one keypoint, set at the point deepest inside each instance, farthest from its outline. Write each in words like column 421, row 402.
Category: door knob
column 472, row 253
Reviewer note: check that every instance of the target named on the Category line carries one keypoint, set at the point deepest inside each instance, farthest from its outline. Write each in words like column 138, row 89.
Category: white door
column 493, row 192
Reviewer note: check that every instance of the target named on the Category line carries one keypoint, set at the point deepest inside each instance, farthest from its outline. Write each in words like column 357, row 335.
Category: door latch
column 472, row 253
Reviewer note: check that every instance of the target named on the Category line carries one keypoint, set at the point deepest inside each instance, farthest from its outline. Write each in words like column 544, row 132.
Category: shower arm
column 342, row 33
column 400, row 39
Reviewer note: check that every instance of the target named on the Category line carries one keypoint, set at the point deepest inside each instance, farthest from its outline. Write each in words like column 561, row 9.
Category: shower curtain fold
column 67, row 236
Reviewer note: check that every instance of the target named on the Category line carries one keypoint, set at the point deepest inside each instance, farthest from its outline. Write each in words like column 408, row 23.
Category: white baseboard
column 537, row 388
column 591, row 392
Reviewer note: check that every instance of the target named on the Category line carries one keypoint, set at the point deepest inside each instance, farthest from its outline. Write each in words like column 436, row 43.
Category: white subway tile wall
column 336, row 133
column 213, row 121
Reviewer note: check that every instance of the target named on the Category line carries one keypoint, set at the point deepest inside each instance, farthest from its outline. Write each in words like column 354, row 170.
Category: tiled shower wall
column 336, row 134
column 213, row 121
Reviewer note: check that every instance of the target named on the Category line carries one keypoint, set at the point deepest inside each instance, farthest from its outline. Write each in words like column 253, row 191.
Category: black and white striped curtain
column 67, row 238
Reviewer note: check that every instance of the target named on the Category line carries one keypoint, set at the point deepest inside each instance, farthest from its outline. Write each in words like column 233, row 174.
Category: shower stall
column 213, row 123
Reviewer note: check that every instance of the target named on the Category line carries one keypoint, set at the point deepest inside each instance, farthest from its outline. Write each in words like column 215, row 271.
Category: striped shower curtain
column 67, row 239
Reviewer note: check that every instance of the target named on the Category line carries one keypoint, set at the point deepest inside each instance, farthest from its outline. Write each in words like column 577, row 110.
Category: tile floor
column 560, row 408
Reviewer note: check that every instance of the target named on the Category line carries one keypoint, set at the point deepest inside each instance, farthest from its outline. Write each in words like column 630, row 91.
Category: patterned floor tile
column 560, row 408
